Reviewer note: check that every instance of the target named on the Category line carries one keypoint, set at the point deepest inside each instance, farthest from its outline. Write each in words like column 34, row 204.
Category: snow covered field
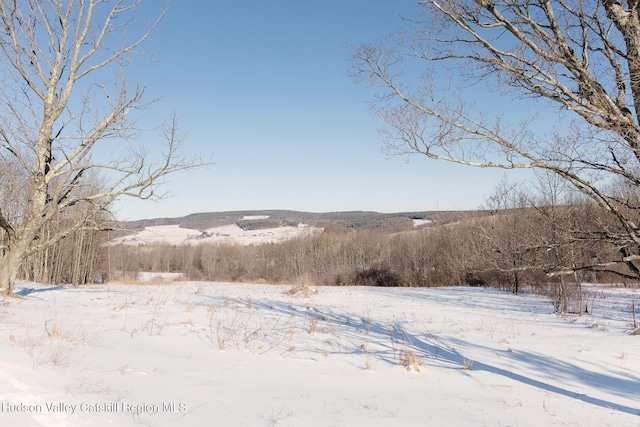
column 227, row 234
column 203, row 354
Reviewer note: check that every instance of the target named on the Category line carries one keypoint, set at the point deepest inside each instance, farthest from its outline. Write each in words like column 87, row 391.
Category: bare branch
column 47, row 49
column 579, row 57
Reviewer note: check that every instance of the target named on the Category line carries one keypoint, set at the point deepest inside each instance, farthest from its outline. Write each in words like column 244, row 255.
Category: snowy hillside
column 201, row 354
column 227, row 234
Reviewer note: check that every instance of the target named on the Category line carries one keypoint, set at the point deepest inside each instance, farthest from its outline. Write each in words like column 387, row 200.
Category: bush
column 382, row 277
column 473, row 280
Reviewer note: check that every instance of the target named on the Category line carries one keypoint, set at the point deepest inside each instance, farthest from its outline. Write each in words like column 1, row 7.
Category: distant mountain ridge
column 262, row 219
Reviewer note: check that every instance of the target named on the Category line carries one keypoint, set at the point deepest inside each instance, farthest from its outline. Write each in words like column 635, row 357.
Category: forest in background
column 518, row 242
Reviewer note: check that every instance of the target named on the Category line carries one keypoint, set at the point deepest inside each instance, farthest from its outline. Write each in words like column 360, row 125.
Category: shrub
column 409, row 360
column 382, row 277
column 472, row 279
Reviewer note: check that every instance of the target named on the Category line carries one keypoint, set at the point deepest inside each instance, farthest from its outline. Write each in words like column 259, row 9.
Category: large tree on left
column 66, row 118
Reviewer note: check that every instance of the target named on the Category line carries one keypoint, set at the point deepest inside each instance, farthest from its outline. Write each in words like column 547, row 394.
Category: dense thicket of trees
column 71, row 259
column 518, row 245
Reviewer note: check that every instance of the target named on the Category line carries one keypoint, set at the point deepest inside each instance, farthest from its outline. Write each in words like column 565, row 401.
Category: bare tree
column 59, row 103
column 580, row 57
column 509, row 235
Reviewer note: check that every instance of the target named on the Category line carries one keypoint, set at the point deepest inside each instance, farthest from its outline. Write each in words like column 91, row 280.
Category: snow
column 227, row 234
column 172, row 234
column 200, row 354
column 417, row 222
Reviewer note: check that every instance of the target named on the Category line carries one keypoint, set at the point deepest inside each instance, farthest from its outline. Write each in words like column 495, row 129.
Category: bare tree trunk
column 10, row 266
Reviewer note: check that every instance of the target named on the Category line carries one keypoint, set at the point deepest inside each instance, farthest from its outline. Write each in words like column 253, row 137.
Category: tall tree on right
column 581, row 57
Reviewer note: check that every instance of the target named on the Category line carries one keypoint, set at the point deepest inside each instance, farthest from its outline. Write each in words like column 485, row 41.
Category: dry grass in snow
column 201, row 354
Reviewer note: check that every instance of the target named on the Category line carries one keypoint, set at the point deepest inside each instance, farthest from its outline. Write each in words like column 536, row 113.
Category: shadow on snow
column 360, row 331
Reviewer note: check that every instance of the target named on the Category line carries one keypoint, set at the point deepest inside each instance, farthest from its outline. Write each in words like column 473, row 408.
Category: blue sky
column 264, row 88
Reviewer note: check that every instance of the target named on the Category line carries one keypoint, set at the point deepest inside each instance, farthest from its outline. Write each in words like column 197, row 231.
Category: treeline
column 74, row 260
column 68, row 246
column 549, row 241
column 493, row 251
column 547, row 245
column 511, row 250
